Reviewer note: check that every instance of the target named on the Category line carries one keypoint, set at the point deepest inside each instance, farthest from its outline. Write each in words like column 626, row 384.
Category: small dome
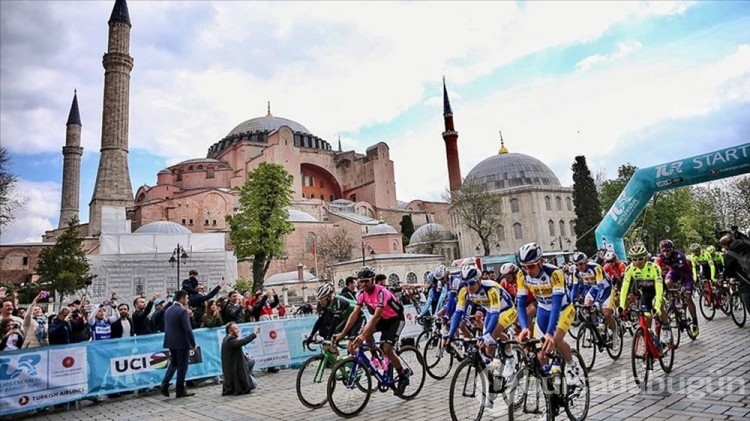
column 162, row 227
column 268, row 123
column 299, row 216
column 164, row 171
column 507, row 170
column 431, row 233
column 341, row 202
column 380, row 229
column 200, row 161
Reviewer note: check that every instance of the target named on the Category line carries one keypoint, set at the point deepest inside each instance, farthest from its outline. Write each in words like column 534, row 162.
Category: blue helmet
column 579, row 257
column 431, row 278
column 440, row 272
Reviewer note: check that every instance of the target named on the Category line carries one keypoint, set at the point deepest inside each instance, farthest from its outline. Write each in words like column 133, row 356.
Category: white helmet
column 529, row 253
column 507, row 269
column 469, row 272
column 440, row 272
column 579, row 257
column 610, row 256
column 323, row 291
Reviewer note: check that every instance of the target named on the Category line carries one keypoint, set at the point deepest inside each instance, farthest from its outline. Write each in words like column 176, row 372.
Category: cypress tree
column 587, row 208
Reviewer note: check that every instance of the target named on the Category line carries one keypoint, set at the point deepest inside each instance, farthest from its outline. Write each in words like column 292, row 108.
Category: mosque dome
column 162, row 227
column 506, row 170
column 300, row 216
column 431, row 232
column 267, row 123
column 380, row 229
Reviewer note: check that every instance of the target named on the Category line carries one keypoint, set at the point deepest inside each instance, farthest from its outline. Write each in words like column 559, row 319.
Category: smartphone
column 43, row 294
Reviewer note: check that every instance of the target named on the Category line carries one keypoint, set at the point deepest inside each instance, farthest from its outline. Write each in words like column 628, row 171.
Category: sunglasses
column 364, row 280
column 471, row 283
column 529, row 266
column 639, row 259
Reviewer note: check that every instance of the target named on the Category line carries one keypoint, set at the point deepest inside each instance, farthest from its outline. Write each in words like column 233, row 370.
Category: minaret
column 450, row 136
column 112, row 186
column 502, row 149
column 71, row 182
column 339, row 143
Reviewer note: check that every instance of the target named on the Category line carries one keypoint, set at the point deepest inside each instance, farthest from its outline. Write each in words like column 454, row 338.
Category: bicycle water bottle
column 377, row 365
column 386, row 364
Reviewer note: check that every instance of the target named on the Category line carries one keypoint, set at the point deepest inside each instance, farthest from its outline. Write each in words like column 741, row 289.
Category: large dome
column 268, row 123
column 507, row 170
column 162, row 227
column 431, row 233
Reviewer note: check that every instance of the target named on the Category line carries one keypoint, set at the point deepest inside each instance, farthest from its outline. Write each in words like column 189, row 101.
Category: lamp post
column 560, row 239
column 369, row 247
column 178, row 255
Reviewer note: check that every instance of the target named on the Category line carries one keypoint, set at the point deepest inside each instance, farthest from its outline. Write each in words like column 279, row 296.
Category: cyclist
column 702, row 261
column 333, row 312
column 678, row 268
column 387, row 318
column 496, row 301
column 718, row 258
column 437, row 292
column 583, row 278
column 614, row 269
column 510, row 274
column 555, row 313
column 600, row 294
column 646, row 277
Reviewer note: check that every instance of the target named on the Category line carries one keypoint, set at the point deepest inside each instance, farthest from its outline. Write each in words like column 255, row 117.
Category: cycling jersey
column 592, row 274
column 702, row 260
column 379, row 296
column 490, row 296
column 648, row 280
column 677, row 267
column 549, row 289
column 434, row 297
column 454, row 285
column 336, row 312
column 615, row 271
column 513, row 288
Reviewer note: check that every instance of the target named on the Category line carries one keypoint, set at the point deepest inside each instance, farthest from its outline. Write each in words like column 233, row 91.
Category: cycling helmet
column 529, row 253
column 366, row 273
column 323, row 291
column 431, row 278
column 610, row 257
column 695, row 248
column 469, row 272
column 440, row 272
column 579, row 257
column 711, row 249
column 469, row 261
column 507, row 269
column 666, row 245
column 637, row 251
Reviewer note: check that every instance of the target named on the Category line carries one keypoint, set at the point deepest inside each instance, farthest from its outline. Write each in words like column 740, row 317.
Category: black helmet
column 366, row 273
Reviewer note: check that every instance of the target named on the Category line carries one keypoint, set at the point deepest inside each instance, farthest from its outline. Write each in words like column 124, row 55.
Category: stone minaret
column 71, row 182
column 450, row 136
column 112, row 186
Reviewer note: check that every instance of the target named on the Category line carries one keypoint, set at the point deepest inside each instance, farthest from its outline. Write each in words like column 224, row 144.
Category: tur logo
column 26, row 363
column 668, row 169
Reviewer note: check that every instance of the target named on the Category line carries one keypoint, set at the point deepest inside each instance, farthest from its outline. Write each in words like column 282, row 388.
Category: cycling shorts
column 390, row 329
column 685, row 277
column 594, row 291
column 567, row 315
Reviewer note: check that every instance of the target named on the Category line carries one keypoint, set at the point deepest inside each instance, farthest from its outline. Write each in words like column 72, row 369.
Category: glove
column 657, row 311
column 597, row 305
column 488, row 339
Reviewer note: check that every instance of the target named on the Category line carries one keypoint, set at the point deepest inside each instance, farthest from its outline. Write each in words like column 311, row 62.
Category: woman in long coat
column 234, row 363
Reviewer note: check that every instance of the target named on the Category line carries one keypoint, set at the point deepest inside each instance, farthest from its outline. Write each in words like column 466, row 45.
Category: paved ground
column 710, row 380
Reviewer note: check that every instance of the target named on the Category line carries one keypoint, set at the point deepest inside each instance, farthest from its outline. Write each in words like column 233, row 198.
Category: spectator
column 191, row 284
column 262, row 310
column 179, row 339
column 236, row 366
column 380, row 279
column 35, row 326
column 12, row 338
column 197, row 301
column 349, row 291
column 122, row 327
column 157, row 319
column 233, row 309
column 59, row 330
column 212, row 316
column 21, row 312
column 141, row 310
column 281, row 310
column 7, row 311
column 101, row 323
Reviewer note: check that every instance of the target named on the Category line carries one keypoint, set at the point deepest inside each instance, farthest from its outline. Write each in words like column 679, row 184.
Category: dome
column 381, row 228
column 431, row 233
column 200, row 161
column 507, row 170
column 164, row 171
column 268, row 123
column 162, row 227
column 299, row 216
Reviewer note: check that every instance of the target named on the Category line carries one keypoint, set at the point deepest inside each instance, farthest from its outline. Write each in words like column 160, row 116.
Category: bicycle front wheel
column 675, row 320
column 468, row 392
column 312, row 382
column 586, row 345
column 705, row 302
column 639, row 358
column 577, row 396
column 614, row 348
column 438, row 361
column 349, row 388
column 412, row 361
column 737, row 308
column 532, row 397
column 666, row 360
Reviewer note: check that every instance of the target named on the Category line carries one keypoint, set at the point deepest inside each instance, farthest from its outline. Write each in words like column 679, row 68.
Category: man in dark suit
column 179, row 339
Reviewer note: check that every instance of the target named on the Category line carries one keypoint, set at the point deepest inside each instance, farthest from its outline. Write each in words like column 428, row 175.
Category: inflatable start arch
column 647, row 181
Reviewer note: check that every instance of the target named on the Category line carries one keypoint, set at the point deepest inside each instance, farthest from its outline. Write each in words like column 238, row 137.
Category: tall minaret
column 112, row 186
column 71, row 182
column 450, row 136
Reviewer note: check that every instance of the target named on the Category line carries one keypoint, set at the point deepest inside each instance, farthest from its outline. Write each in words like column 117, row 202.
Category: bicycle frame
column 643, row 322
column 362, row 360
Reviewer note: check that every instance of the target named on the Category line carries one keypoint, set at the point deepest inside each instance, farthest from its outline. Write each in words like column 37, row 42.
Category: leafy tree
column 478, row 209
column 407, row 229
column 587, row 208
column 430, row 243
column 8, row 202
column 258, row 228
column 64, row 266
column 334, row 246
column 243, row 285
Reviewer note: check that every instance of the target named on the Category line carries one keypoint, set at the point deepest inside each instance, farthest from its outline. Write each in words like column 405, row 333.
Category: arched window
column 330, row 198
column 303, row 195
column 562, row 227
column 569, row 203
column 322, row 198
column 558, row 203
column 517, row 231
column 547, row 203
column 551, row 225
column 572, row 225
column 393, row 279
column 514, row 208
column 394, row 246
column 411, row 278
column 500, row 233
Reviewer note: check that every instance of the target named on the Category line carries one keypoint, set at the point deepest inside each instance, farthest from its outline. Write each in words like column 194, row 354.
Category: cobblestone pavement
column 710, row 380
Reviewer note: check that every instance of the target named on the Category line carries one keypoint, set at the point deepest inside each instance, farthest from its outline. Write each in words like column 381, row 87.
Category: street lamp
column 369, row 247
column 178, row 255
column 560, row 239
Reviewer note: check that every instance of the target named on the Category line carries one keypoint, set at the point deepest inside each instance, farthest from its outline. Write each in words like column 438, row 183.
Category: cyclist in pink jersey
column 387, row 318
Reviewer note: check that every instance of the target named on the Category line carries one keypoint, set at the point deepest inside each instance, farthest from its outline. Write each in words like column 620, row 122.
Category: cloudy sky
column 619, row 82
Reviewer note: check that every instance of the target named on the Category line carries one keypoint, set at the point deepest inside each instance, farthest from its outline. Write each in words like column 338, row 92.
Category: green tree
column 587, row 208
column 258, row 228
column 64, row 266
column 9, row 203
column 407, row 229
column 478, row 209
column 243, row 285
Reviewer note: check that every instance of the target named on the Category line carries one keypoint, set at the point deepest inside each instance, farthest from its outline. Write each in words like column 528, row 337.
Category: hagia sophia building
column 130, row 236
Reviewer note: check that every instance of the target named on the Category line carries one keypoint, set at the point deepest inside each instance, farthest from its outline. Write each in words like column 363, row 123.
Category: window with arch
column 558, row 203
column 562, row 227
column 551, row 225
column 303, row 196
column 517, row 231
column 514, row 208
column 322, row 198
column 500, row 233
column 394, row 246
column 547, row 203
column 200, row 167
column 411, row 278
column 572, row 225
column 330, row 198
column 190, row 168
column 569, row 203
column 393, row 279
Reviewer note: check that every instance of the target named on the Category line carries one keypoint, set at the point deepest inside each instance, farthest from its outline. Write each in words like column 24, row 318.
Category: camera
column 107, row 303
column 43, row 294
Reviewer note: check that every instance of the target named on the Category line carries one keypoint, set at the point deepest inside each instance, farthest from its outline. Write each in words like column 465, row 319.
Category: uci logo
column 136, row 363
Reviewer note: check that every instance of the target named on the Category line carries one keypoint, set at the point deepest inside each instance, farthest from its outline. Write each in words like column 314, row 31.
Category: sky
column 619, row 82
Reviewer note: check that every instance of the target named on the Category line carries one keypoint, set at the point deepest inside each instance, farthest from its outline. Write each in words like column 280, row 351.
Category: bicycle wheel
column 675, row 320
column 533, row 397
column 438, row 361
column 412, row 360
column 706, row 305
column 666, row 360
column 575, row 327
column 725, row 305
column 422, row 339
column 614, row 349
column 586, row 345
column 468, row 393
column 577, row 397
column 737, row 308
column 347, row 395
column 639, row 358
column 312, row 380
